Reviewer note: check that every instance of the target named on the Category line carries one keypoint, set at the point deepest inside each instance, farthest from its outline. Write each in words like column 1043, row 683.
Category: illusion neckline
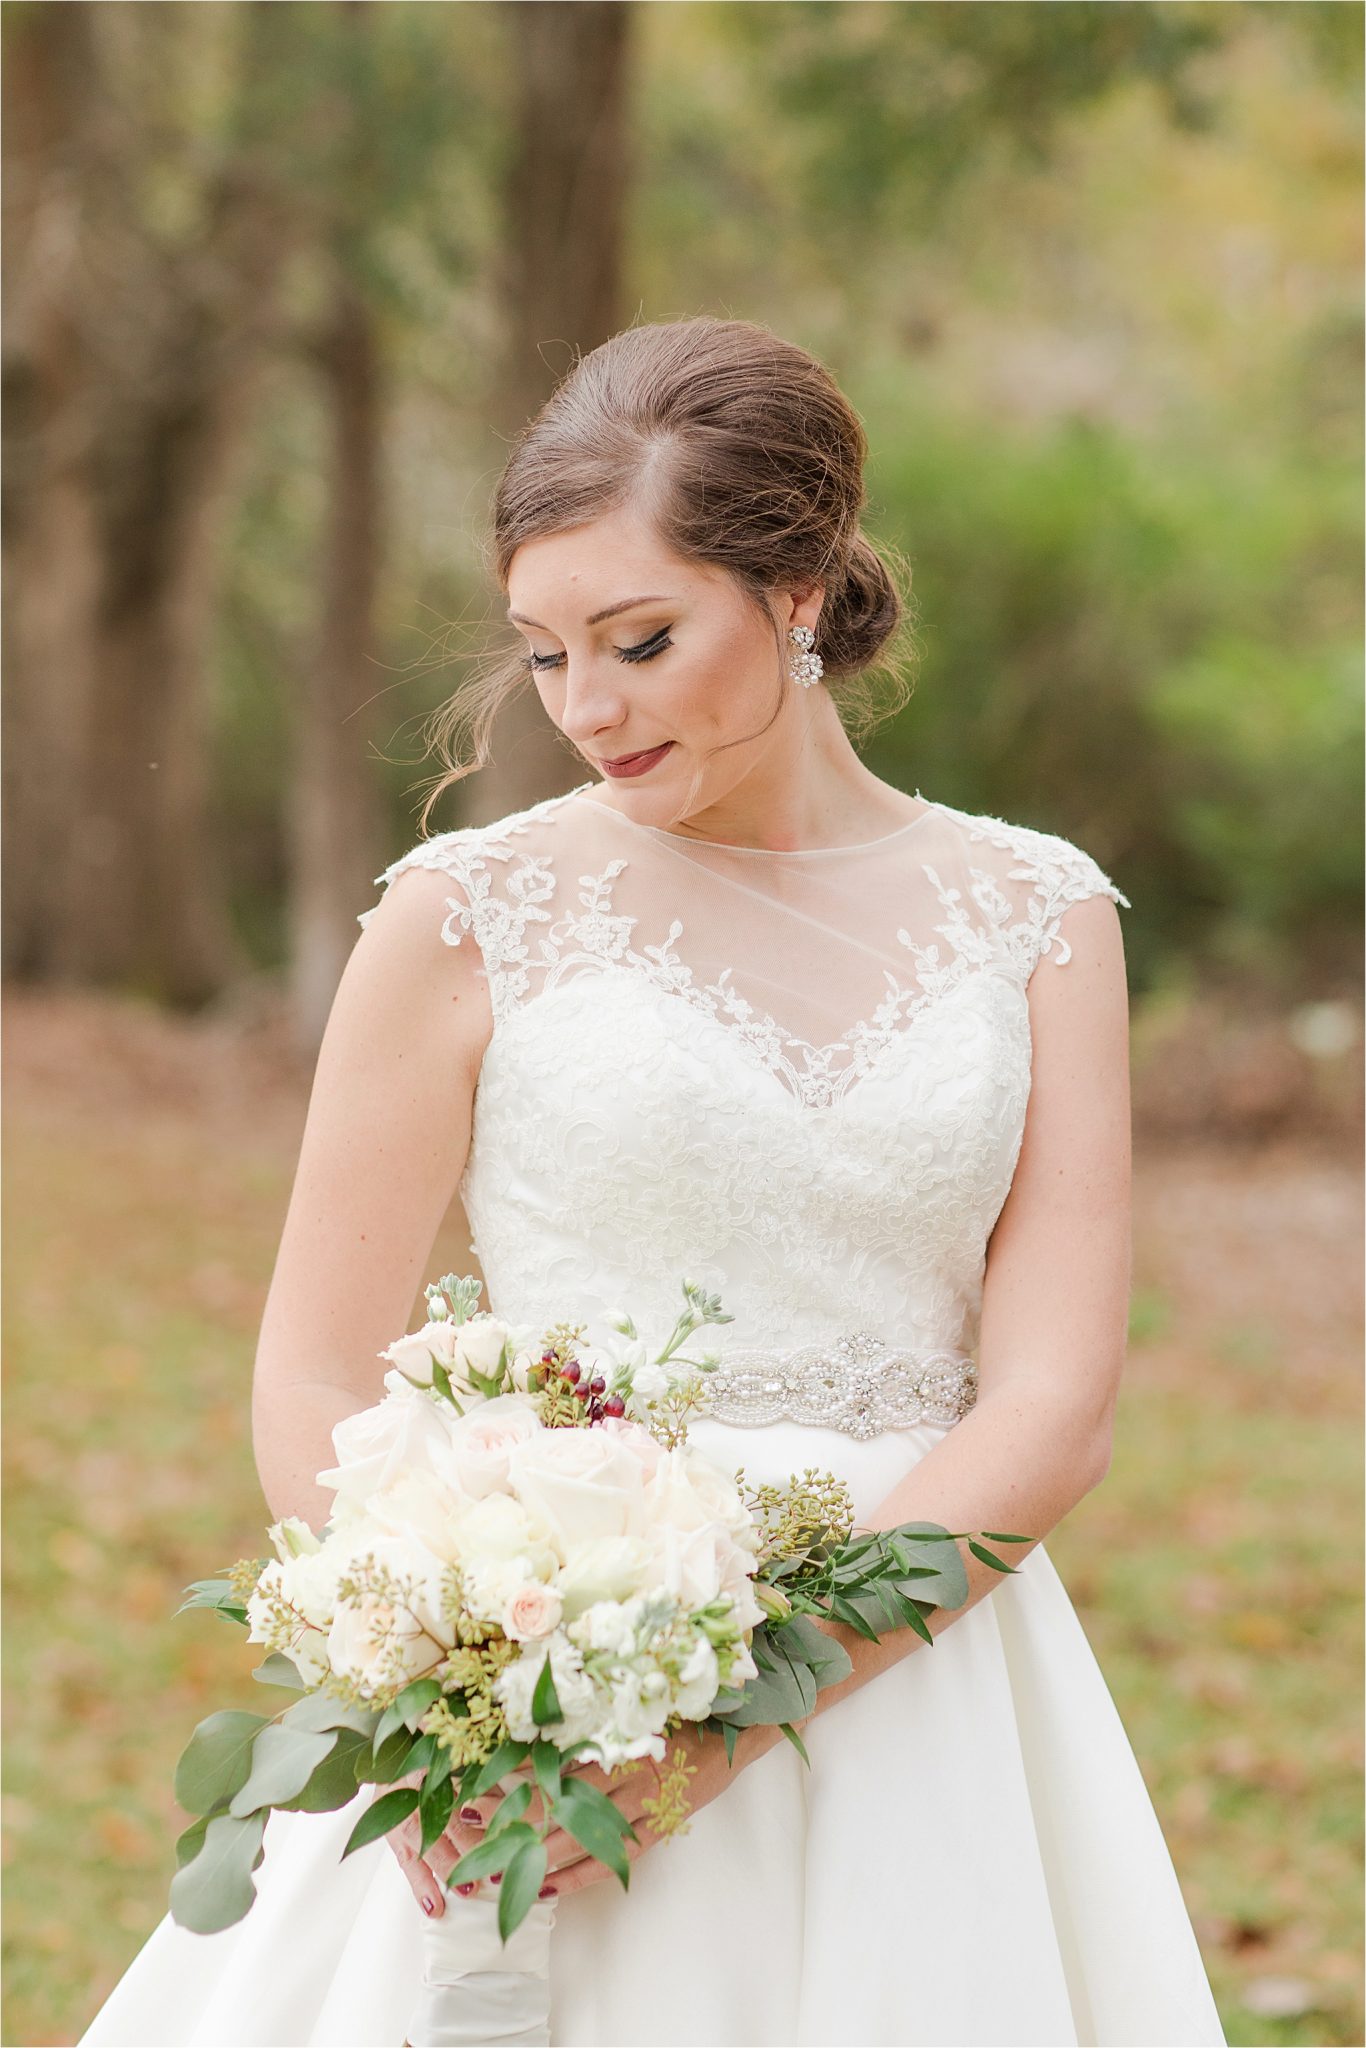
column 763, row 852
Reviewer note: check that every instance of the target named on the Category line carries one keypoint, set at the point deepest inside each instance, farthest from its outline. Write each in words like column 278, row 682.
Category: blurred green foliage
column 1094, row 288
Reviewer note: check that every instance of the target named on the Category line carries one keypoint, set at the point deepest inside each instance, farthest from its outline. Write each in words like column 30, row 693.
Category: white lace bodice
column 798, row 1078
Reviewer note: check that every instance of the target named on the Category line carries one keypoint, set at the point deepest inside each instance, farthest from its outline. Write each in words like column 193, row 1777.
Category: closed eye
column 645, row 650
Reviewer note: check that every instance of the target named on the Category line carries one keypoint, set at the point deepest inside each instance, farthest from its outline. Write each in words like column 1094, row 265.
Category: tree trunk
column 559, row 283
column 335, row 822
column 134, row 366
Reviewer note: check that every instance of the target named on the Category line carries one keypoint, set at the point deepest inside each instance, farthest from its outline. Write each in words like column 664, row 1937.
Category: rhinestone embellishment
column 858, row 1384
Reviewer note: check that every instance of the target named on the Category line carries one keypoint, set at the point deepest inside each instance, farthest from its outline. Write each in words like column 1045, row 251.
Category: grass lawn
column 1216, row 1571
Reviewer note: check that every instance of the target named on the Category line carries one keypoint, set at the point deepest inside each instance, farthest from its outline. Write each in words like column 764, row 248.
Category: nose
column 591, row 701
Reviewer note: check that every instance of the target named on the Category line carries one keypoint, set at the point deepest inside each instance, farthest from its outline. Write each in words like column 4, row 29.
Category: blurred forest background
column 281, row 280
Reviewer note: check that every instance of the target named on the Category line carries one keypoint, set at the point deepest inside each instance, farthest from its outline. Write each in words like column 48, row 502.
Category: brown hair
column 741, row 451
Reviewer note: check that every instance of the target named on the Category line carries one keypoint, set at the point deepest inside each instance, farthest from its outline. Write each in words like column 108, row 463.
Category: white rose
column 534, row 1610
column 716, row 1489
column 421, row 1508
column 673, row 1499
column 493, row 1582
column 479, row 1344
column 306, row 1584
column 737, row 1585
column 636, row 1439
column 478, row 1444
column 582, row 1483
column 499, row 1527
column 687, row 1563
column 304, row 1645
column 379, row 1641
column 608, row 1568
column 405, row 1432
column 413, row 1355
column 292, row 1537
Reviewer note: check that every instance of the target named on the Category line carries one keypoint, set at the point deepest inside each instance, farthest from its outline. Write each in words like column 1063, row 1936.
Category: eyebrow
column 609, row 612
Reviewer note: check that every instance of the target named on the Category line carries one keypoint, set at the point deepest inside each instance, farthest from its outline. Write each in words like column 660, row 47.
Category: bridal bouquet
column 527, row 1566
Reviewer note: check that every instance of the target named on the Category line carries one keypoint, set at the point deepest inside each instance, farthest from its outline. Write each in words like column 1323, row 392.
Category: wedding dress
column 799, row 1078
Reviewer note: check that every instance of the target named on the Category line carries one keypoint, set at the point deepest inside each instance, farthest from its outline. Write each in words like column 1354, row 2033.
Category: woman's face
column 684, row 665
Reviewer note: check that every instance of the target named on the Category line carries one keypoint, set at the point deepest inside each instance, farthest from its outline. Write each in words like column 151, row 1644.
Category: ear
column 807, row 599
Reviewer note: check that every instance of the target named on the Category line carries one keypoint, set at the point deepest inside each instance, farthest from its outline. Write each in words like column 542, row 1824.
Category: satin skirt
column 972, row 1861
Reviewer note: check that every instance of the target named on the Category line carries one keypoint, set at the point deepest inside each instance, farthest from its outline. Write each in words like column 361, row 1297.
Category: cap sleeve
column 1026, row 880
column 454, row 854
column 1060, row 874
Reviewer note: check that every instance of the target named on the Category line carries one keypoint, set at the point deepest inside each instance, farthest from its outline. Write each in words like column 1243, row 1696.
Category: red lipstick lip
column 635, row 764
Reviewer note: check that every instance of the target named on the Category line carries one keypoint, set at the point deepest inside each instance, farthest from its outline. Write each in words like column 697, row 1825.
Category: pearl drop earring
column 806, row 665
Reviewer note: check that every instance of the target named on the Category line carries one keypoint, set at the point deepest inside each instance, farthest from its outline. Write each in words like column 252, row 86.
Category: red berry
column 571, row 1372
column 616, row 1406
column 598, row 1384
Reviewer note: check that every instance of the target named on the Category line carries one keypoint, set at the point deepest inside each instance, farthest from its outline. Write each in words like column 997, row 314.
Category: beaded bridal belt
column 858, row 1384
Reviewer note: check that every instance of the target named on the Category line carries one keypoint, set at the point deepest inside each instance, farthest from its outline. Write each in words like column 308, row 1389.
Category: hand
column 569, row 1867
column 427, row 1875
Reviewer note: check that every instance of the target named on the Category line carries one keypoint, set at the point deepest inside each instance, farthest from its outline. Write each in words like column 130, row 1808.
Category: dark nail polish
column 429, row 1905
column 547, row 1891
column 497, row 1877
column 471, row 1815
column 465, row 1890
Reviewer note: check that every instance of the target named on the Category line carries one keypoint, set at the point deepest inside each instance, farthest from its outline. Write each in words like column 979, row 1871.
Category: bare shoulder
column 411, row 988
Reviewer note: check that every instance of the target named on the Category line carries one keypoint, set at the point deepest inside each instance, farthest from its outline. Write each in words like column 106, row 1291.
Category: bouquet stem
column 477, row 1992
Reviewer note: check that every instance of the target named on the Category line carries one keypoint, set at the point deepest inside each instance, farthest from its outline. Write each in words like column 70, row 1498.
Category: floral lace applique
column 517, row 935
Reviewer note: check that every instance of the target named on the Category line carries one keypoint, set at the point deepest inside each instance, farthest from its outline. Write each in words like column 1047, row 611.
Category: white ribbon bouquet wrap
column 527, row 1567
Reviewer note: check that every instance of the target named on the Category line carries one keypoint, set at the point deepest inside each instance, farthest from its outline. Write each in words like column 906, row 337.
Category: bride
column 734, row 1008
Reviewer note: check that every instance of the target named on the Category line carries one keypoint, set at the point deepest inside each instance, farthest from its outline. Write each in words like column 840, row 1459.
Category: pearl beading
column 859, row 1384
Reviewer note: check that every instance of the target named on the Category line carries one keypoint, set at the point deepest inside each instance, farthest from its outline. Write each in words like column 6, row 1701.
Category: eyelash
column 645, row 651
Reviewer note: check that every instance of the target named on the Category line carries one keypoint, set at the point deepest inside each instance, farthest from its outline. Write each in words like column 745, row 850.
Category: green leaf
column 597, row 1824
column 333, row 1783
column 504, row 1760
column 317, row 1711
column 434, row 1810
column 522, row 1880
column 439, row 1770
column 828, row 1660
column 377, row 1819
column 217, row 1593
column 989, row 1557
column 545, row 1701
column 510, row 1808
column 216, row 1760
column 191, row 1842
column 421, row 1753
column 493, row 1853
column 214, row 1890
column 389, row 1761
column 795, row 1739
column 999, row 1536
column 280, row 1670
column 408, row 1709
column 731, row 1734
column 545, row 1761
column 282, row 1762
column 916, row 1620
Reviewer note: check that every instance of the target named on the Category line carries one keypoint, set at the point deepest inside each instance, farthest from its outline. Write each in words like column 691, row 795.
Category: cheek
column 704, row 704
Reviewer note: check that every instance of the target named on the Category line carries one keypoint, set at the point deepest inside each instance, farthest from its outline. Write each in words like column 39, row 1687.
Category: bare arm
column 1055, row 1296
column 384, row 1145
